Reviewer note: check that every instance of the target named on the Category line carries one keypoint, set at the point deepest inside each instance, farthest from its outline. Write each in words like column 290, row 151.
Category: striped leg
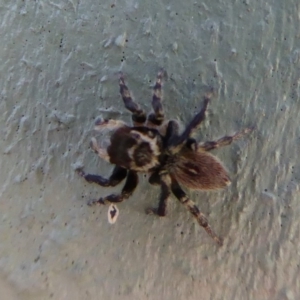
column 194, row 210
column 157, row 117
column 164, row 197
column 138, row 114
column 128, row 189
column 115, row 178
column 224, row 141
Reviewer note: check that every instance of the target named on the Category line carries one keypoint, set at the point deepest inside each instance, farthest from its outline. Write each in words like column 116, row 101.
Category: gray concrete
column 58, row 73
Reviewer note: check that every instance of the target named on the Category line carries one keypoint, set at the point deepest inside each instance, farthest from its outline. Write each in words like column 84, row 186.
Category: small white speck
column 121, row 40
column 103, row 78
column 112, row 213
column 175, row 47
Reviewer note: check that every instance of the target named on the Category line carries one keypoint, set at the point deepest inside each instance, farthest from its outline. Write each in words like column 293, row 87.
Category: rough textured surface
column 58, row 73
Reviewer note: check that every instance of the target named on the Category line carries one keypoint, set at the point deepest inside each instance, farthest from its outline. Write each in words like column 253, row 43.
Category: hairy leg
column 138, row 114
column 157, row 117
column 129, row 187
column 115, row 178
column 171, row 132
column 194, row 210
column 165, row 193
column 154, row 178
column 177, row 142
column 224, row 141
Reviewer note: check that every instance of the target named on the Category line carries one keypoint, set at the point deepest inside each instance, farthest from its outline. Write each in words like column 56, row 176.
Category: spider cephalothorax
column 171, row 158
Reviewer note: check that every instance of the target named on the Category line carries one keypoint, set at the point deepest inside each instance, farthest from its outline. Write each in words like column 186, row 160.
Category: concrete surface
column 58, row 73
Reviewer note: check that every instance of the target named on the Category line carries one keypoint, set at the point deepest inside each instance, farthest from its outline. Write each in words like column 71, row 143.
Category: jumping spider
column 171, row 158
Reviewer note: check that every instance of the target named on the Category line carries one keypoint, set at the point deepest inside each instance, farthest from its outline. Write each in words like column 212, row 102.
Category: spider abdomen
column 199, row 170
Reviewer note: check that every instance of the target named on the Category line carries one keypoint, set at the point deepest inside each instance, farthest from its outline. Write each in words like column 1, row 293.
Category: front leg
column 177, row 142
column 129, row 187
column 171, row 132
column 138, row 114
column 157, row 117
column 115, row 178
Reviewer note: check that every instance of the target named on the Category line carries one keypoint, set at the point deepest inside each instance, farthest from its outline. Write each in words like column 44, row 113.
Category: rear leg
column 224, row 141
column 194, row 210
column 129, row 187
column 157, row 117
column 165, row 193
column 138, row 114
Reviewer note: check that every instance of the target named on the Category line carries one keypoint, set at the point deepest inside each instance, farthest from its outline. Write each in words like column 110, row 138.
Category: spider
column 158, row 148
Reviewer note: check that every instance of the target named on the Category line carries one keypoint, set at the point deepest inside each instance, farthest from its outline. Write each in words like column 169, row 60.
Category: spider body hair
column 198, row 170
column 159, row 149
column 135, row 148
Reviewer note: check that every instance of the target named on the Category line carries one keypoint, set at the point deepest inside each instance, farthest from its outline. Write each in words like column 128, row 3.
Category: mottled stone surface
column 59, row 64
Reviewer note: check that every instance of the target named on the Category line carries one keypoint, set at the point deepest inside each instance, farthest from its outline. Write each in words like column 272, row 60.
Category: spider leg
column 138, row 114
column 115, row 178
column 172, row 130
column 154, row 178
column 177, row 142
column 102, row 124
column 102, row 152
column 224, row 141
column 128, row 189
column 164, row 197
column 194, row 210
column 157, row 117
